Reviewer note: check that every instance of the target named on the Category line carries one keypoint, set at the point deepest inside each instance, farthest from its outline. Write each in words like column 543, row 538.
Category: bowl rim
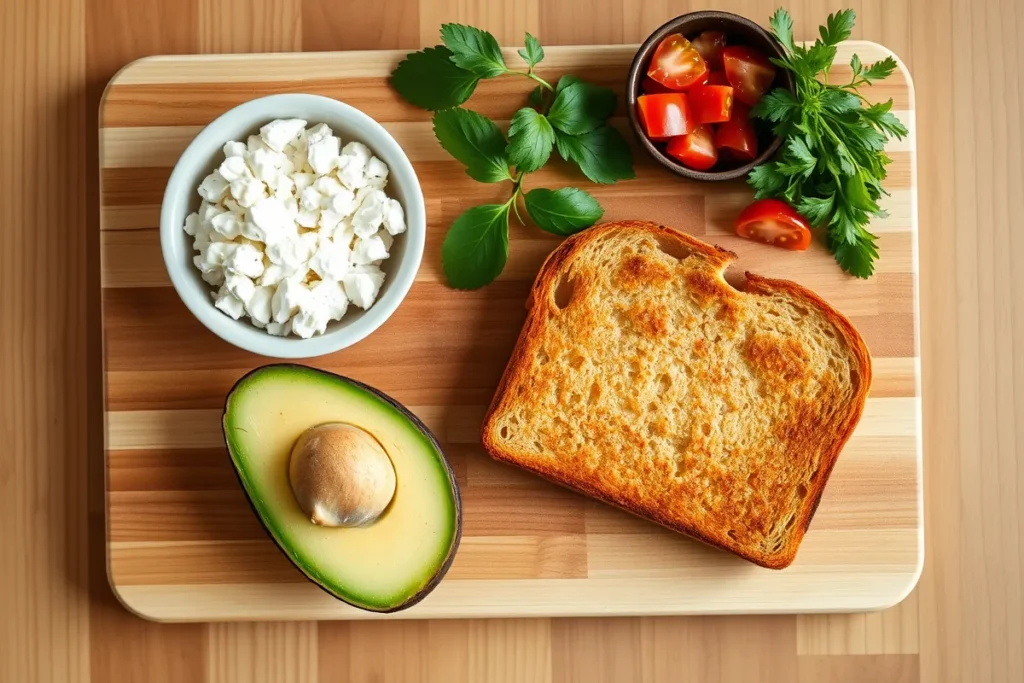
column 238, row 332
column 633, row 86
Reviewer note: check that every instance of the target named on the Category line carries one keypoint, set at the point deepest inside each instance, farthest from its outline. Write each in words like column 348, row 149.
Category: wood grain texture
column 969, row 604
column 862, row 552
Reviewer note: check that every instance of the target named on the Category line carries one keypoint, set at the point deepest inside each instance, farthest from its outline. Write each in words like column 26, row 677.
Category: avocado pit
column 340, row 475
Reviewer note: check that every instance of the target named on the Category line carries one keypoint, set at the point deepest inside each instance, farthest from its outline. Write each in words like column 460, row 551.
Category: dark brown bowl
column 738, row 31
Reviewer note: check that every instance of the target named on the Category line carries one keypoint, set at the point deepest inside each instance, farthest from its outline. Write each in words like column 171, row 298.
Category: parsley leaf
column 474, row 140
column 879, row 70
column 562, row 212
column 884, row 120
column 429, row 79
column 833, row 163
column 475, row 249
column 581, row 107
column 767, row 180
column 839, row 101
column 603, row 154
column 530, row 138
column 838, row 27
column 782, row 26
column 777, row 106
column 536, row 97
column 474, row 50
column 533, row 52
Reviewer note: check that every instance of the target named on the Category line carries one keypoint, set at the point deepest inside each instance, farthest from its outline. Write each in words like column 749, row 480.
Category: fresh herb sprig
column 570, row 116
column 833, row 162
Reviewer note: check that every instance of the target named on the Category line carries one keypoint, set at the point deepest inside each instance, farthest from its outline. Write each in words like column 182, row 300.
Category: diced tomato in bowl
column 701, row 73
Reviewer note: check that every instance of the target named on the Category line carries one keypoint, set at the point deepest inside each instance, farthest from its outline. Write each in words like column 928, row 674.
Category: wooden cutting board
column 183, row 545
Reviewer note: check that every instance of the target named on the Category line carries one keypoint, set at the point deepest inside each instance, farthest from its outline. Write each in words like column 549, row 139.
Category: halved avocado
column 384, row 566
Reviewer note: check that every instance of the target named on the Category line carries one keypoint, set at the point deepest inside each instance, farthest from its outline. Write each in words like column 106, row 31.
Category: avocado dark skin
column 414, row 423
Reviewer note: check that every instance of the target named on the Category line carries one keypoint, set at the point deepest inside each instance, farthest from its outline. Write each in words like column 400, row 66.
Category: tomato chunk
column 666, row 115
column 716, row 78
column 696, row 150
column 749, row 72
column 677, row 64
column 737, row 136
column 649, row 86
column 710, row 45
column 774, row 222
column 710, row 103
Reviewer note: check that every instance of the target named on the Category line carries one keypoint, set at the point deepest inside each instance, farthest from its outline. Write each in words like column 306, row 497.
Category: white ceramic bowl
column 204, row 154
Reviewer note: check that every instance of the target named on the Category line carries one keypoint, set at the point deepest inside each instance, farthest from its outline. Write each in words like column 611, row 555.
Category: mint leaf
column 428, row 79
column 533, row 52
column 782, row 26
column 602, row 154
column 581, row 107
column 474, row 50
column 530, row 138
column 562, row 212
column 475, row 249
column 879, row 70
column 474, row 140
column 838, row 27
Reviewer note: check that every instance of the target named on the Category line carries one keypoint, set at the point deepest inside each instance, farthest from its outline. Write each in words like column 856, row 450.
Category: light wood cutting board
column 183, row 545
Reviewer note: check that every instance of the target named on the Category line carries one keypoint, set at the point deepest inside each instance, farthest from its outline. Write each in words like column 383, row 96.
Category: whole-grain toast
column 644, row 379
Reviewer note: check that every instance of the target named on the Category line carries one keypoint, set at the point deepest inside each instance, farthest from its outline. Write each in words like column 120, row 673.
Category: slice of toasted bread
column 644, row 379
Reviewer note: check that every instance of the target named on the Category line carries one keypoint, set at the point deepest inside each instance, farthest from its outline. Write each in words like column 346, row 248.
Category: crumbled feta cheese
column 277, row 134
column 213, row 187
column 234, row 149
column 362, row 284
column 292, row 228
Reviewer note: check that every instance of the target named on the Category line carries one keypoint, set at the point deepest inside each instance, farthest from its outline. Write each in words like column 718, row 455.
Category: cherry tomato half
column 716, row 78
column 737, row 136
column 710, row 45
column 749, row 72
column 677, row 64
column 710, row 103
column 696, row 150
column 774, row 222
column 649, row 86
column 666, row 115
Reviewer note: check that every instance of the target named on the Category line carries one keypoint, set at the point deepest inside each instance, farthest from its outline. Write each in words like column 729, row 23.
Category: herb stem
column 516, row 191
column 533, row 76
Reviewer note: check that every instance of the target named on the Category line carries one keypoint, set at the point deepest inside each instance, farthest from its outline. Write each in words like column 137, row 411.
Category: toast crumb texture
column 646, row 380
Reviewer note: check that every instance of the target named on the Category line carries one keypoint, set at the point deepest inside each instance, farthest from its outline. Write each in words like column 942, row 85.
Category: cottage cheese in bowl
column 293, row 228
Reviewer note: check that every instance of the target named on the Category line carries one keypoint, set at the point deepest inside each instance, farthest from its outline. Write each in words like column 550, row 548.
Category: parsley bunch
column 833, row 163
column 571, row 116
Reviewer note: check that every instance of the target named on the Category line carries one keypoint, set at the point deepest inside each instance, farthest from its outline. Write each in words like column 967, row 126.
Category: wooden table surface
column 58, row 619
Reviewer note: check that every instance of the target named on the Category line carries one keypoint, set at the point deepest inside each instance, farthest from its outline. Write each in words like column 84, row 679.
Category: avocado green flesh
column 378, row 567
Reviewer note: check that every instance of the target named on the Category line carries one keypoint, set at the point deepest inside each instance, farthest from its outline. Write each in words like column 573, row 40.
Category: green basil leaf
column 475, row 249
column 565, row 81
column 428, row 79
column 530, row 138
column 474, row 50
column 474, row 140
column 536, row 98
column 562, row 212
column 533, row 52
column 603, row 154
column 581, row 107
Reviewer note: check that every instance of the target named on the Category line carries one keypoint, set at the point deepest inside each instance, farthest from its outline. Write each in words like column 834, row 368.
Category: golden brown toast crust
column 837, row 434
